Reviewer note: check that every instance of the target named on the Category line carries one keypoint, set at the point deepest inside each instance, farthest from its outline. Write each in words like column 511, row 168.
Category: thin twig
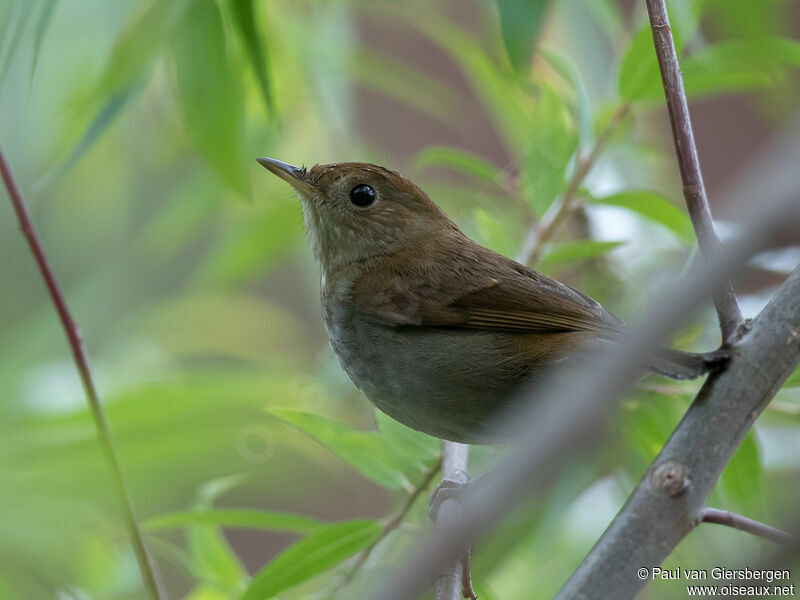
column 694, row 191
column 395, row 520
column 729, row 519
column 79, row 354
column 540, row 233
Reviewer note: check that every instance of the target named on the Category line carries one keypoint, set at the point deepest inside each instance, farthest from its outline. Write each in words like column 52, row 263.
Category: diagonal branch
column 146, row 565
column 670, row 500
column 729, row 519
column 396, row 520
column 694, row 191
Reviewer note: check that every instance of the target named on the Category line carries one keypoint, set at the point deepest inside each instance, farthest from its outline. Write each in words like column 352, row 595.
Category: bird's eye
column 362, row 195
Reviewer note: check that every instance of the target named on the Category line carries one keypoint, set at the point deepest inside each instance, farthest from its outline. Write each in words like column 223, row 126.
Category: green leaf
column 45, row 18
column 520, row 22
column 311, row 556
column 209, row 93
column 553, row 141
column 404, row 439
column 458, row 160
column 639, row 70
column 367, row 452
column 391, row 77
column 577, row 250
column 139, row 43
column 207, row 545
column 493, row 233
column 794, row 379
column 257, row 49
column 742, row 480
column 567, row 69
column 238, row 518
column 654, row 208
column 739, row 65
column 499, row 92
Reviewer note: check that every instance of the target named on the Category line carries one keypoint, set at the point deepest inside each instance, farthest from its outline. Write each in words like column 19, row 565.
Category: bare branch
column 146, row 565
column 670, row 500
column 742, row 523
column 694, row 191
column 456, row 577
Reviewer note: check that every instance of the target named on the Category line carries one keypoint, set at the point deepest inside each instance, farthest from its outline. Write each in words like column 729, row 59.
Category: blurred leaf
column 20, row 14
column 388, row 75
column 139, row 43
column 311, row 556
column 406, row 440
column 367, row 452
column 609, row 17
column 552, row 143
column 257, row 49
column 567, row 69
column 249, row 519
column 458, row 160
column 45, row 18
column 639, row 69
column 520, row 22
column 654, row 208
column 794, row 379
column 251, row 246
column 493, row 233
column 742, row 481
column 208, row 546
column 209, row 93
column 133, row 51
column 577, row 250
column 500, row 93
column 729, row 66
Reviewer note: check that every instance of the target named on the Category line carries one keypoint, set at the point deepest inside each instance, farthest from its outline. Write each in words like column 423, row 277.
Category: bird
column 435, row 329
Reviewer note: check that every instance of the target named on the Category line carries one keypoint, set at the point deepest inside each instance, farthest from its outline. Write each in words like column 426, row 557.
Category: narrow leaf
column 553, row 141
column 311, row 556
column 367, row 452
column 257, row 49
column 458, row 160
column 45, row 18
column 654, row 208
column 209, row 93
column 247, row 519
column 578, row 250
column 520, row 23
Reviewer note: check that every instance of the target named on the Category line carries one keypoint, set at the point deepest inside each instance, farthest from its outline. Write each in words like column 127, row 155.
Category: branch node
column 670, row 478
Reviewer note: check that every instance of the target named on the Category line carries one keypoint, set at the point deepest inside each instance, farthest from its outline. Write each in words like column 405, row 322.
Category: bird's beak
column 294, row 176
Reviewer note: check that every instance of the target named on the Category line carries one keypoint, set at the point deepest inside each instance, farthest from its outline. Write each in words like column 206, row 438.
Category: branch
column 456, row 577
column 395, row 521
column 540, row 233
column 572, row 408
column 729, row 519
column 146, row 565
column 670, row 500
column 694, row 191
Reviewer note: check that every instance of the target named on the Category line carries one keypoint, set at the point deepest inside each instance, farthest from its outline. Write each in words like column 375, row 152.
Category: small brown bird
column 435, row 329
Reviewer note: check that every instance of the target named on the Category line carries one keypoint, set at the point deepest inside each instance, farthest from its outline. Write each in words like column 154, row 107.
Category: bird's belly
column 447, row 383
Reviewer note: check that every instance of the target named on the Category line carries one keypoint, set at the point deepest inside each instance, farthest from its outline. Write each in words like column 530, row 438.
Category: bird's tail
column 686, row 365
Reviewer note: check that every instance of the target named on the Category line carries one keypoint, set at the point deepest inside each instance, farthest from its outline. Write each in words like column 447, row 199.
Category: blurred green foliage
column 257, row 468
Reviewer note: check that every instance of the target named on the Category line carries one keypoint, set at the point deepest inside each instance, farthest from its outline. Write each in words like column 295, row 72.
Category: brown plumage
column 437, row 330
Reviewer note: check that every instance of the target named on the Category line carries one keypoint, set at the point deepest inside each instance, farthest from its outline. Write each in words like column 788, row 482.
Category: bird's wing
column 479, row 289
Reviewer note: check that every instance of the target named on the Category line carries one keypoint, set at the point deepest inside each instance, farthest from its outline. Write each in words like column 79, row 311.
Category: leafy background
column 257, row 468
